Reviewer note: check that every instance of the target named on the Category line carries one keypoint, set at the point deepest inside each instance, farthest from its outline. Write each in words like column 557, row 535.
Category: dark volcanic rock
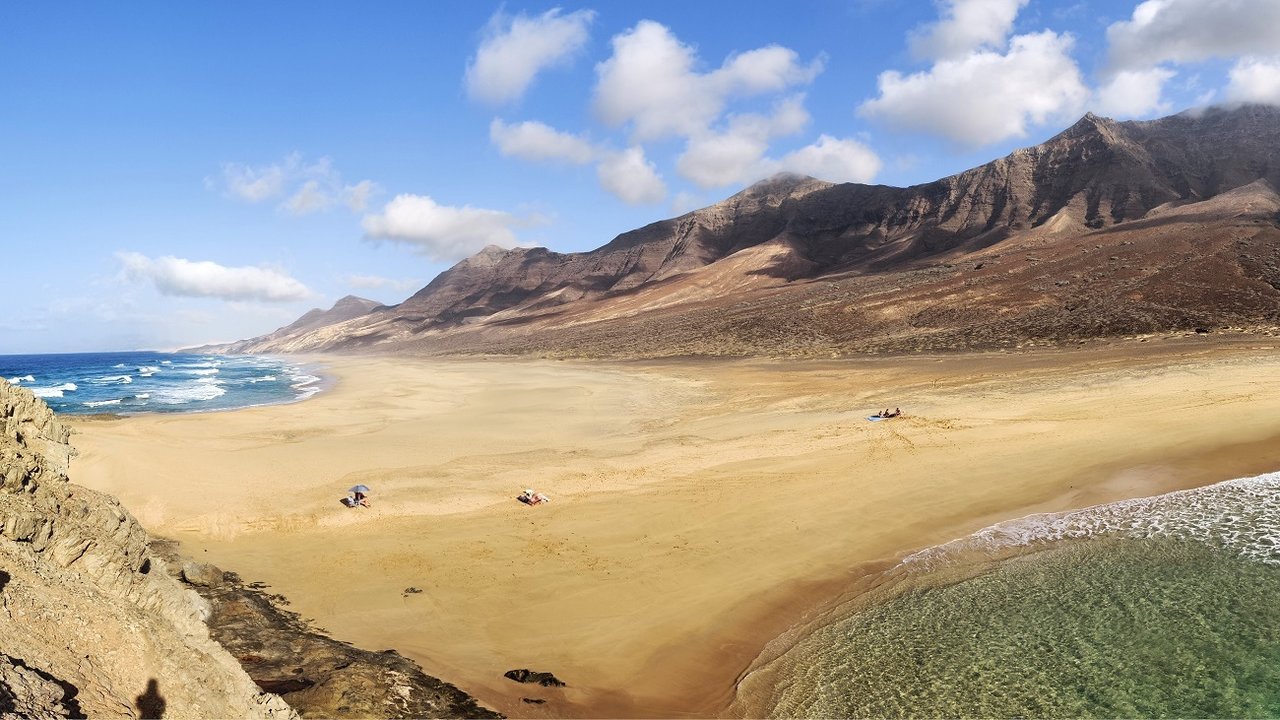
column 545, row 679
column 315, row 674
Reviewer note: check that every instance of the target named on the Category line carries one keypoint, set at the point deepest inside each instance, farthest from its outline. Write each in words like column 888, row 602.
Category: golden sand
column 699, row 508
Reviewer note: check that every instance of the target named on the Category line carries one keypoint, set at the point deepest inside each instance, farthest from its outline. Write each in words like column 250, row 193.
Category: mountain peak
column 352, row 300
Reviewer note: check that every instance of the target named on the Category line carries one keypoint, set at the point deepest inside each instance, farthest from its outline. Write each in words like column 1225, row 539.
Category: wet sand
column 699, row 507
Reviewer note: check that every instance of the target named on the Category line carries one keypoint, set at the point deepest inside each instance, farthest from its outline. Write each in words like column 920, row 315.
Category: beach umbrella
column 360, row 489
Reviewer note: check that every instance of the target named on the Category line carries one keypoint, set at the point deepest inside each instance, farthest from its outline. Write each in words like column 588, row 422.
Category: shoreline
column 786, row 408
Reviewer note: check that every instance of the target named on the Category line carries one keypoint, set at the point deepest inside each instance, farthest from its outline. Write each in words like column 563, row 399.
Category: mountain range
column 1107, row 229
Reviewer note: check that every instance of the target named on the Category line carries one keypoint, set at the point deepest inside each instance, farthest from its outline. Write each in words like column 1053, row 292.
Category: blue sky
column 179, row 173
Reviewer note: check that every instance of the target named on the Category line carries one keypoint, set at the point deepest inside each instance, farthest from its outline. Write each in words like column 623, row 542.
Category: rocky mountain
column 347, row 308
column 1108, row 228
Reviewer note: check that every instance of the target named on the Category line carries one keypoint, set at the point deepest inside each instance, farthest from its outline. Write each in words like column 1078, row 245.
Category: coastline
column 680, row 497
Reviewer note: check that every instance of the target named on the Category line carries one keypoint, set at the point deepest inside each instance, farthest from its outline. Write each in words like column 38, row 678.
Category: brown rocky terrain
column 97, row 619
column 317, row 675
column 345, row 309
column 89, row 624
column 1107, row 229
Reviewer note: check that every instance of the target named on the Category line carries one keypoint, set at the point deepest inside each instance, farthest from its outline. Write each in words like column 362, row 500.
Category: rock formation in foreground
column 1107, row 229
column 94, row 620
column 90, row 625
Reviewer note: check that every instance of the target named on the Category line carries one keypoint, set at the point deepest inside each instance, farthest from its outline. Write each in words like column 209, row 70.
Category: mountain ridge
column 786, row 231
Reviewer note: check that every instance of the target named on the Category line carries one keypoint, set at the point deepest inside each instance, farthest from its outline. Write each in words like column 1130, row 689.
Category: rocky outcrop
column 711, row 281
column 317, row 675
column 89, row 622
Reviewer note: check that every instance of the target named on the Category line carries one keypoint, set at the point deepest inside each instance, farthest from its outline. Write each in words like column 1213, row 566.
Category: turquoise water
column 132, row 382
column 1162, row 607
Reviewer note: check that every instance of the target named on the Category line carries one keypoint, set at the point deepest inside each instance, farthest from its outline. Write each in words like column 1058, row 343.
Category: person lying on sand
column 529, row 497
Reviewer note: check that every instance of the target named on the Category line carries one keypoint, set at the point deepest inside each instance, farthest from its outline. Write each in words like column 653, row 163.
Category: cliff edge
column 90, row 624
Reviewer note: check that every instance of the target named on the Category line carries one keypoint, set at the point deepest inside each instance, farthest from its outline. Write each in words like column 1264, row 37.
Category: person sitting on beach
column 358, row 498
column 896, row 412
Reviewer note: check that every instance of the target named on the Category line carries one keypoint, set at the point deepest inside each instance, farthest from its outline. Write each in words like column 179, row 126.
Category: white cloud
column 536, row 141
column 357, row 196
column 312, row 186
column 441, row 232
column 251, row 184
column 1183, row 31
column 190, row 278
column 966, row 25
column 833, row 159
column 375, row 282
column 650, row 82
column 515, row 49
column 1255, row 79
column 985, row 96
column 308, row 199
column 737, row 154
column 1133, row 93
column 630, row 177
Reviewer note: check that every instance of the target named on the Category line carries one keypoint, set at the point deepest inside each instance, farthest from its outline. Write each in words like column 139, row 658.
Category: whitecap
column 21, row 379
column 190, row 392
column 302, row 381
column 166, row 362
column 118, row 365
column 148, row 370
column 54, row 392
column 100, row 403
column 264, row 378
column 203, row 371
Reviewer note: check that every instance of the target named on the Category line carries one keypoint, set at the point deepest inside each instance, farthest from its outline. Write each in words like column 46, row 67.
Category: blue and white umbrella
column 360, row 489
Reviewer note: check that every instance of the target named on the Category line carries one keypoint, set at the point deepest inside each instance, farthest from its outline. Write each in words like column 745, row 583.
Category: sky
column 179, row 173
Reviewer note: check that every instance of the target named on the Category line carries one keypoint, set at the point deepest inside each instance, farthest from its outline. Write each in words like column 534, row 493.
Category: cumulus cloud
column 515, row 49
column 650, row 82
column 985, row 96
column 441, row 232
column 203, row 278
column 536, row 141
column 1133, row 93
column 833, row 159
column 966, row 25
column 630, row 177
column 737, row 154
column 1183, row 31
column 1255, row 79
column 311, row 186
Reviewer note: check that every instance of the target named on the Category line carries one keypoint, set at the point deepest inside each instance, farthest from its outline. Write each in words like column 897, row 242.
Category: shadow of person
column 151, row 703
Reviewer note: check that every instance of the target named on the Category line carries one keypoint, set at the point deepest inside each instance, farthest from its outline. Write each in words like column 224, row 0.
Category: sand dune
column 699, row 507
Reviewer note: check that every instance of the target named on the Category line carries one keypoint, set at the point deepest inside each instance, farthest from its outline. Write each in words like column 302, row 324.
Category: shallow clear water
column 1164, row 607
column 80, row 383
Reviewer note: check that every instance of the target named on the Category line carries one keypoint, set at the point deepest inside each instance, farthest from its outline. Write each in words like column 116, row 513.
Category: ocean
column 137, row 382
column 1157, row 607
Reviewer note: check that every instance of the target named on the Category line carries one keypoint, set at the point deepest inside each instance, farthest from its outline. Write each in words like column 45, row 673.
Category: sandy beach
column 699, row 507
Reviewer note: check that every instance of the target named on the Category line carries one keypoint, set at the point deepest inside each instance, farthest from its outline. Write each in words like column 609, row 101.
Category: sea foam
column 54, row 392
column 1241, row 515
